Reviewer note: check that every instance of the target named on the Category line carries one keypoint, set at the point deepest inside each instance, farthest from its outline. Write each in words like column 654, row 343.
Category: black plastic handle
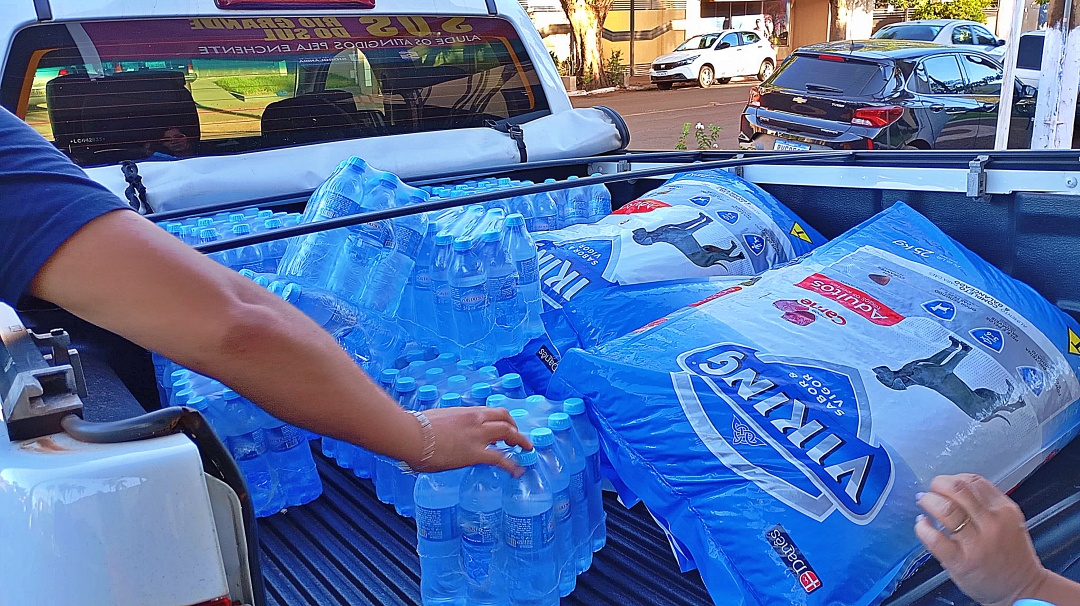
column 150, row 425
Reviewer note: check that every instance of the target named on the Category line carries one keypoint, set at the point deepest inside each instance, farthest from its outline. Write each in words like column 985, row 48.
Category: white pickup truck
column 195, row 106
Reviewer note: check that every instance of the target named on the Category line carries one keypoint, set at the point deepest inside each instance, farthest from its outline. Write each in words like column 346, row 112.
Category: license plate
column 782, row 145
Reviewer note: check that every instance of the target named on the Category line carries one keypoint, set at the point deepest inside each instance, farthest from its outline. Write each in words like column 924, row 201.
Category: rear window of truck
column 831, row 74
column 107, row 91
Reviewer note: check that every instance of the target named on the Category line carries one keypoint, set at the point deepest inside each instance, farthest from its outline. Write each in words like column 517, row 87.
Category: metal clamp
column 976, row 177
column 739, row 170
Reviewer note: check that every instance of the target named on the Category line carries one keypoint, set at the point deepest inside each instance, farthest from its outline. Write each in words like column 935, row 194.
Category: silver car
column 950, row 32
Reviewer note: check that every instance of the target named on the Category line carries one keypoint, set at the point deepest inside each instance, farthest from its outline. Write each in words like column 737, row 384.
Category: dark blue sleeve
column 44, row 200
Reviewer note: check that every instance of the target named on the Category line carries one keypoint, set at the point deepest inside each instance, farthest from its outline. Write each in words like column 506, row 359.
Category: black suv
column 883, row 94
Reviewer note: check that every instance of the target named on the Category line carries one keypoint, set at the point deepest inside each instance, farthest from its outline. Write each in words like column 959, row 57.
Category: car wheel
column 663, row 85
column 723, row 80
column 765, row 70
column 705, row 76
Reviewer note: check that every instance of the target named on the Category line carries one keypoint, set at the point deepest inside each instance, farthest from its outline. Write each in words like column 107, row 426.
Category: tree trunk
column 586, row 33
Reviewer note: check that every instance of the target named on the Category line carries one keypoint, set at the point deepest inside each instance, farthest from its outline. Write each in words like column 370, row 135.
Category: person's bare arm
column 988, row 552
column 127, row 275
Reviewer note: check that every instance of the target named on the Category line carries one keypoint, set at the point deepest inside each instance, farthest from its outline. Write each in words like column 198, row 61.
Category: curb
column 598, row 91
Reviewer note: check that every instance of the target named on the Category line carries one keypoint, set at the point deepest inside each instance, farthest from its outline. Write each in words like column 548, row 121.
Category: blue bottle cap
column 559, row 421
column 447, row 357
column 277, row 287
column 265, row 214
column 197, row 402
column 504, row 181
column 175, row 229
column 463, row 244
column 457, row 383
column 356, row 162
column 520, row 416
column 428, row 393
column 534, row 400
column 241, row 229
column 273, row 223
column 515, row 220
column 247, row 273
column 480, row 391
column 262, row 281
column 464, row 365
column 415, row 365
column 389, row 376
column 250, row 212
column 185, row 394
column 229, row 394
column 450, row 399
column 388, row 181
column 549, row 180
column 541, row 437
column 573, row 406
column 490, row 235
column 237, row 217
column 208, row 234
column 405, row 384
column 527, row 182
column 180, row 373
column 496, row 401
column 433, row 374
column 291, row 292
column 414, row 354
column 204, row 222
column 525, row 458
column 511, row 380
column 444, row 239
column 488, row 373
column 572, row 178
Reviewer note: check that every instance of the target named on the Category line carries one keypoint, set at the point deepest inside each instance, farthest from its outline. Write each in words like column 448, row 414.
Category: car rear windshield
column 925, row 33
column 831, row 75
column 1029, row 55
column 108, row 91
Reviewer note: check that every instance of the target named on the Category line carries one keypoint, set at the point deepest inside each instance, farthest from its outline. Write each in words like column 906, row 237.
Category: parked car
column 717, row 57
column 950, row 32
column 887, row 94
column 1029, row 57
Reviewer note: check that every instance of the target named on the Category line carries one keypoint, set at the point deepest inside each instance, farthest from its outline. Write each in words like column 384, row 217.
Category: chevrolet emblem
column 799, row 99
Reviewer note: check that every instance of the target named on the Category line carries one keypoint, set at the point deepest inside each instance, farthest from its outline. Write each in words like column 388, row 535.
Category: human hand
column 463, row 434
column 989, row 555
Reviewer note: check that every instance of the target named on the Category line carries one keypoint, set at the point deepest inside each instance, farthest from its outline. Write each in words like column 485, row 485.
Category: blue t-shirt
column 44, row 200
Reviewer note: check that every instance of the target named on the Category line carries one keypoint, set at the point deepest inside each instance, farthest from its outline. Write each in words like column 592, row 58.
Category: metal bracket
column 976, row 177
column 62, row 353
column 739, row 170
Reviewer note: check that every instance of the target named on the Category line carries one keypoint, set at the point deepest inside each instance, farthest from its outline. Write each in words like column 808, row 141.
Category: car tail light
column 831, row 58
column 62, row 72
column 877, row 116
column 302, row 4
column 223, row 601
column 755, row 97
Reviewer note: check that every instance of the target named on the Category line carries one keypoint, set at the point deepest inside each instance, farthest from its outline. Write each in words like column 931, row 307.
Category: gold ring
column 961, row 526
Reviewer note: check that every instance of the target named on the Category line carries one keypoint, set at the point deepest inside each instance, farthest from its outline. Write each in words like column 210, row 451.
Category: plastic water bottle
column 477, row 395
column 291, row 457
column 468, row 292
column 521, row 419
column 531, row 568
column 421, row 304
column 440, row 286
column 244, row 257
column 387, row 282
column 274, row 250
column 545, row 210
column 599, row 201
column 353, row 267
column 512, row 387
column 507, row 302
column 434, row 378
column 576, row 208
column 556, row 472
column 458, row 384
column 405, row 392
column 523, row 205
column 522, row 251
column 449, row 400
column 328, row 310
column 427, row 397
column 247, row 444
column 573, row 455
column 590, row 443
column 488, row 373
column 438, row 538
column 481, row 530
column 496, row 400
column 387, row 378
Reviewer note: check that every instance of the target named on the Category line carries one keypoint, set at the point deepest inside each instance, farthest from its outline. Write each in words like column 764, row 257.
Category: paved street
column 656, row 117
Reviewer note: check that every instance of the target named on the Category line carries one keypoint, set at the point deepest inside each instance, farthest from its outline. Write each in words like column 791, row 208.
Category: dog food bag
column 782, row 429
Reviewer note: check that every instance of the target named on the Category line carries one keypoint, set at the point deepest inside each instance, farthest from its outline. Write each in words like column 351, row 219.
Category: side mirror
column 1000, row 42
column 723, row 45
column 1030, row 91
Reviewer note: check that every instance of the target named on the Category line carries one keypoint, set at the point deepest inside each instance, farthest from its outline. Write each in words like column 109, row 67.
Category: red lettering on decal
column 852, row 298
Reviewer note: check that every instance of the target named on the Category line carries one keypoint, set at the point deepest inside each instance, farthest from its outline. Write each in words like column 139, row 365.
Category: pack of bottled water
column 227, row 225
column 485, row 537
column 273, row 456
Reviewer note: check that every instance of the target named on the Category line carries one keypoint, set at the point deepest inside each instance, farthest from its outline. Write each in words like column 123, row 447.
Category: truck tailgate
column 348, row 548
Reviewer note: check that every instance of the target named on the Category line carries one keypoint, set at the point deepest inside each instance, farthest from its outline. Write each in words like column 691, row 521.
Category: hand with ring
column 986, row 547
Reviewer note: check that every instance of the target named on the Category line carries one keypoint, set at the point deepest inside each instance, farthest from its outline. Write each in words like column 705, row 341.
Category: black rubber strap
column 136, row 191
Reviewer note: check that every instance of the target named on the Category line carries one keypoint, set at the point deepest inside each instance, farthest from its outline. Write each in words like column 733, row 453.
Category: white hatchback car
column 717, row 57
column 950, row 32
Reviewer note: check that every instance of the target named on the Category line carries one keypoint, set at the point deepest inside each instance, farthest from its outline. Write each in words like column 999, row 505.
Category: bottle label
column 374, row 234
column 469, row 298
column 423, row 280
column 532, row 532
column 480, row 528
column 527, row 270
column 247, row 446
column 562, row 506
column 592, row 468
column 408, row 240
column 332, row 206
column 502, row 289
column 543, row 224
column 285, row 437
column 577, row 486
column 442, row 293
column 437, row 524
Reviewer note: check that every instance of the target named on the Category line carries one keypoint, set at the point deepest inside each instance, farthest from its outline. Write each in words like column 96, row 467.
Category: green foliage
column 613, row 69
column 971, row 10
column 706, row 136
column 257, row 85
column 562, row 66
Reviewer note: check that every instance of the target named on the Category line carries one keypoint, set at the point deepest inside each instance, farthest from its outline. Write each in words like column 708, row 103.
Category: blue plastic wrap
column 781, row 431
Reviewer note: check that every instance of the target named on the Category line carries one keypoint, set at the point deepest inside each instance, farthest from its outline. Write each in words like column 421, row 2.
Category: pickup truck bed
column 348, row 548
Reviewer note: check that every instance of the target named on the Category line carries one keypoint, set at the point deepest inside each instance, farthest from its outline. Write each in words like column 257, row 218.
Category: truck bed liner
column 348, row 548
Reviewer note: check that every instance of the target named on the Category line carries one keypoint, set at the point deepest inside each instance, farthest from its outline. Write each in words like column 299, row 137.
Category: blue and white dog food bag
column 782, row 430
